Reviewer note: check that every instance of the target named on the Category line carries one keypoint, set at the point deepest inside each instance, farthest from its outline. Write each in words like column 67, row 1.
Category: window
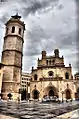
column 53, row 61
column 50, row 62
column 66, row 75
column 35, row 77
column 78, row 90
column 0, row 66
column 20, row 31
column 47, row 62
column 50, row 73
column 13, row 29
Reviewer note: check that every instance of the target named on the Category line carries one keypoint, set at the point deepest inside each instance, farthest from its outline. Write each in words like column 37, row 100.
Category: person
column 18, row 100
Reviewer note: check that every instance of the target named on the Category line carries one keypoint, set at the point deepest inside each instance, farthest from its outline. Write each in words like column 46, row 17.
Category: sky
column 50, row 24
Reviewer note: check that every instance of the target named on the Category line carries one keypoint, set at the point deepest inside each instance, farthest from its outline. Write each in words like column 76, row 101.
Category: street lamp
column 62, row 96
column 19, row 97
column 28, row 91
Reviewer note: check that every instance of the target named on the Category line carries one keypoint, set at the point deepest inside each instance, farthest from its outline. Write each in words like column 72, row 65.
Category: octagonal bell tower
column 12, row 57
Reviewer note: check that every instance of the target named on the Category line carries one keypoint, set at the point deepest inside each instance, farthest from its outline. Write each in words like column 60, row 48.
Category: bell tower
column 12, row 57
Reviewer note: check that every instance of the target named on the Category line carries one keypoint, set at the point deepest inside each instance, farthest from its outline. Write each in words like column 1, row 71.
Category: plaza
column 37, row 110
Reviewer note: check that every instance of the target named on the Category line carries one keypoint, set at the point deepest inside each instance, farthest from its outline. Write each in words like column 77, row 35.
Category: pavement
column 35, row 110
column 70, row 115
column 7, row 117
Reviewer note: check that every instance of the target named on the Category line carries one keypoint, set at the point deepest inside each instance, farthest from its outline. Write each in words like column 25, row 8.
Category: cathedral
column 50, row 78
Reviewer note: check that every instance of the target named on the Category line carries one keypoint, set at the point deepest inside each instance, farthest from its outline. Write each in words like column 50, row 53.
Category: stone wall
column 58, row 72
column 59, row 86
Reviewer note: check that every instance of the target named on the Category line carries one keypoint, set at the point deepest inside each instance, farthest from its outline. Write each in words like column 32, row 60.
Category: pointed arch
column 68, row 93
column 51, row 90
column 35, row 94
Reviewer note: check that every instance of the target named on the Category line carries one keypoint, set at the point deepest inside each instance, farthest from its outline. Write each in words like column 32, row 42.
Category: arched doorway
column 51, row 92
column 35, row 94
column 68, row 94
column 23, row 94
column 77, row 94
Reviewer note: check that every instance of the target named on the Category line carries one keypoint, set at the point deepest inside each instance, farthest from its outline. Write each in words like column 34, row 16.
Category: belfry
column 12, row 57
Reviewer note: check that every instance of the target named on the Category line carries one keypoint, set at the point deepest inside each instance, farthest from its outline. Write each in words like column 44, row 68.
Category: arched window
column 47, row 62
column 20, row 31
column 35, row 77
column 13, row 29
column 50, row 73
column 53, row 61
column 67, row 75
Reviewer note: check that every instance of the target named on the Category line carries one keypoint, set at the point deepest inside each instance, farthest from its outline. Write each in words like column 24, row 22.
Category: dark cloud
column 60, row 6
column 46, row 31
column 34, row 38
column 38, row 40
column 35, row 6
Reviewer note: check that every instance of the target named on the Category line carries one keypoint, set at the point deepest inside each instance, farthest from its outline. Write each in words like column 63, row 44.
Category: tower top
column 14, row 19
column 56, row 51
column 43, row 54
column 16, row 16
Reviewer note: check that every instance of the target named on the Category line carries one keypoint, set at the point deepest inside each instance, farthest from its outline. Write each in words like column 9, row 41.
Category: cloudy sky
column 50, row 24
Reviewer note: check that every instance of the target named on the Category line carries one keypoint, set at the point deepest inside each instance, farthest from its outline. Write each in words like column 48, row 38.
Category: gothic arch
column 51, row 90
column 68, row 93
column 35, row 94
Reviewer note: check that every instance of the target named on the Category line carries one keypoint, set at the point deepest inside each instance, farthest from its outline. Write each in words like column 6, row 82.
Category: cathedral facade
column 52, row 78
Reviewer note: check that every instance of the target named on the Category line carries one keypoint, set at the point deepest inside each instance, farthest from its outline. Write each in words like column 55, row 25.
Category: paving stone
column 35, row 110
column 26, row 117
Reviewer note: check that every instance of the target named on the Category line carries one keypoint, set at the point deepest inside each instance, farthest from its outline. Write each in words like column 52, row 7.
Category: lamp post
column 28, row 91
column 19, row 97
column 62, row 96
